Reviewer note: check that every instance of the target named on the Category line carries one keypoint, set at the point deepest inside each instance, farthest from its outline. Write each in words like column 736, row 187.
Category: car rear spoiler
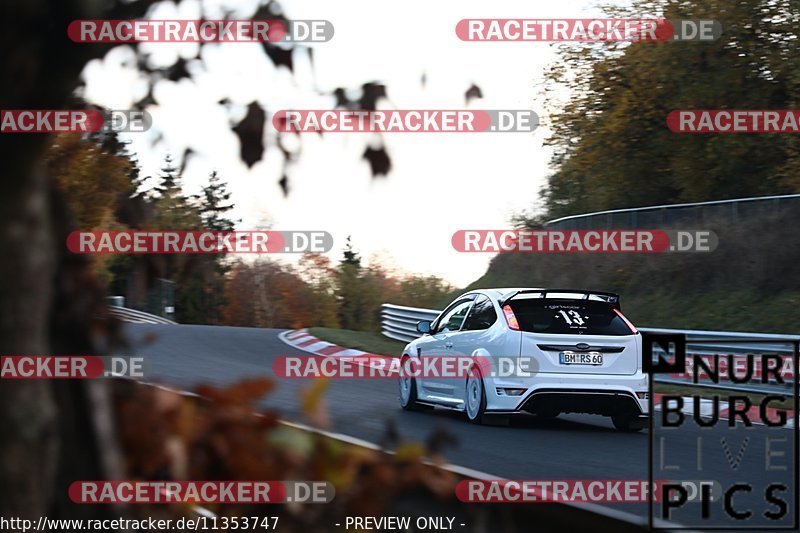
column 609, row 297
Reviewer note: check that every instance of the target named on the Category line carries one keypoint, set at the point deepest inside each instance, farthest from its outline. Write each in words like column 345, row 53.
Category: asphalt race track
column 522, row 447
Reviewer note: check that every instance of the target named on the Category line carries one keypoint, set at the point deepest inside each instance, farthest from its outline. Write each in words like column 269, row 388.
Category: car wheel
column 475, row 402
column 408, row 391
column 626, row 422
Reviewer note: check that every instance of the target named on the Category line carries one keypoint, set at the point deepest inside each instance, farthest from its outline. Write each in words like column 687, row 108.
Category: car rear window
column 583, row 317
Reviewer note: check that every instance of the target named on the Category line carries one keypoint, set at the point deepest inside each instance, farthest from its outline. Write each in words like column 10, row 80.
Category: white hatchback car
column 575, row 352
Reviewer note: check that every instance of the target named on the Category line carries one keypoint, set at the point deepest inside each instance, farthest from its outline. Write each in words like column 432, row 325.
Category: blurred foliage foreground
column 219, row 436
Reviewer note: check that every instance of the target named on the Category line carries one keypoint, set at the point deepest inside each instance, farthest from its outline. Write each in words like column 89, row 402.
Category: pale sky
column 439, row 183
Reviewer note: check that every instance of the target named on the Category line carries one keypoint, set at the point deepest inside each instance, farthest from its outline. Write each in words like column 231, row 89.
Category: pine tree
column 170, row 178
column 213, row 202
column 349, row 288
column 351, row 257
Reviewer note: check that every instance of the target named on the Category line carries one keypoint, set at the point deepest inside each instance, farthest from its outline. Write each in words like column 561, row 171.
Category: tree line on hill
column 611, row 144
column 214, row 289
column 612, row 149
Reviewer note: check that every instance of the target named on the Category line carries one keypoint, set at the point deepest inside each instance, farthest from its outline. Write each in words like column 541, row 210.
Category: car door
column 476, row 334
column 440, row 343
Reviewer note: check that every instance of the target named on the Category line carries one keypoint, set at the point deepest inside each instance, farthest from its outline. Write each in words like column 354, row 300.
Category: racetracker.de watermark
column 372, row 366
column 198, row 242
column 406, row 121
column 201, row 492
column 584, row 241
column 199, row 31
column 570, row 490
column 71, row 367
column 81, row 121
column 588, row 30
column 734, row 121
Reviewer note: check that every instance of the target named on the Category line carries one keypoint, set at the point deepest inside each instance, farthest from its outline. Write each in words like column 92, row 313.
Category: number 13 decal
column 572, row 317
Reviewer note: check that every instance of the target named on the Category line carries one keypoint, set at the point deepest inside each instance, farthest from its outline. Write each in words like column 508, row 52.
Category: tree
column 200, row 279
column 267, row 294
column 214, row 202
column 612, row 148
column 424, row 291
column 349, row 288
column 316, row 270
column 350, row 256
column 74, row 162
column 50, row 301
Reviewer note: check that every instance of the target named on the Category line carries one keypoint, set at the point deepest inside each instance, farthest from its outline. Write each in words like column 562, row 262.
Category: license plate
column 583, row 358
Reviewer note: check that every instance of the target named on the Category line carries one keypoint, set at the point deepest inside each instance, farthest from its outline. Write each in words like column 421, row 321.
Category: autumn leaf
column 246, row 392
column 251, row 134
column 313, row 403
column 378, row 159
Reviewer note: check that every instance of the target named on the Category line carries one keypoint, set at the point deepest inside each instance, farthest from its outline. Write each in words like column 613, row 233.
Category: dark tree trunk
column 48, row 430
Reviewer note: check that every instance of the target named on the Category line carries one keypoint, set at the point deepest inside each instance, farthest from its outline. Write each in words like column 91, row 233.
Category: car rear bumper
column 565, row 393
column 596, row 402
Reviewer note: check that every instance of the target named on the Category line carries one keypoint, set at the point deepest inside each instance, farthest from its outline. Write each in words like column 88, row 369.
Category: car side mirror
column 424, row 326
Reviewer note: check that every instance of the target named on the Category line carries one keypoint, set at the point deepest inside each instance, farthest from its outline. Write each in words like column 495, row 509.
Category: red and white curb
column 303, row 340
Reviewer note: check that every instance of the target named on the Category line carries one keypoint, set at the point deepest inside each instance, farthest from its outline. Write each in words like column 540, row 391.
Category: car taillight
column 510, row 318
column 633, row 328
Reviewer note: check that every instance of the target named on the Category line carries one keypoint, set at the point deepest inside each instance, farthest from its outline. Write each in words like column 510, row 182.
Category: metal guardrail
column 689, row 213
column 137, row 317
column 399, row 323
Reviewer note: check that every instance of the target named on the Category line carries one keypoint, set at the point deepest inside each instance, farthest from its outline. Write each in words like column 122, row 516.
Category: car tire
column 475, row 400
column 627, row 423
column 408, row 392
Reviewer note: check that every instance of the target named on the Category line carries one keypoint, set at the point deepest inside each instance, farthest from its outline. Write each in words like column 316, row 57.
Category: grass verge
column 722, row 310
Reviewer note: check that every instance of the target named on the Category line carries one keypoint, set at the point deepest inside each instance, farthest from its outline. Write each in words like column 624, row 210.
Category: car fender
column 482, row 353
column 410, row 349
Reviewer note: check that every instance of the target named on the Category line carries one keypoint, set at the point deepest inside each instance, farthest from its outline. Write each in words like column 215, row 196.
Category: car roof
column 501, row 291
